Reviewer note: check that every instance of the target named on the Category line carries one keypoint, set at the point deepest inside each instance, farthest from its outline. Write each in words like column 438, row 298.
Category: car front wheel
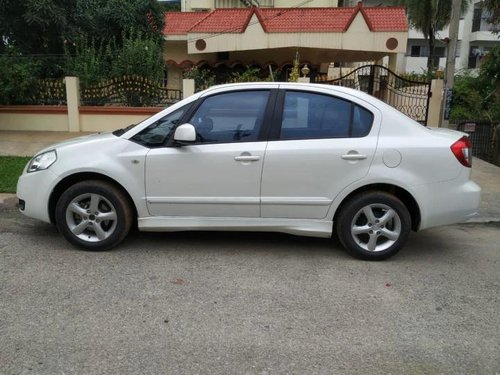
column 94, row 215
column 373, row 225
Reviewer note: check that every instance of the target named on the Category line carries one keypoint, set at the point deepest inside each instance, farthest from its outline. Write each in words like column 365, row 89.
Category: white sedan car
column 305, row 159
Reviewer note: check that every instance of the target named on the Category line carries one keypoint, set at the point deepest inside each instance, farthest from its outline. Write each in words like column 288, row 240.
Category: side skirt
column 300, row 227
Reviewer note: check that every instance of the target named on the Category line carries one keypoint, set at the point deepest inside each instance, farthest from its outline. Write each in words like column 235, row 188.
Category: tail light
column 462, row 149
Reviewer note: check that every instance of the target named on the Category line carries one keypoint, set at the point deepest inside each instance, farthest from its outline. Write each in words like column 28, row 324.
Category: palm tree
column 429, row 17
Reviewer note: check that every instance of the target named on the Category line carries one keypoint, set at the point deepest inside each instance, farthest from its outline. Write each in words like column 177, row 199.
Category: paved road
column 247, row 303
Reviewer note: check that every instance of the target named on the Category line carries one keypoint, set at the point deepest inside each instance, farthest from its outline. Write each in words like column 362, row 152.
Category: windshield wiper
column 119, row 132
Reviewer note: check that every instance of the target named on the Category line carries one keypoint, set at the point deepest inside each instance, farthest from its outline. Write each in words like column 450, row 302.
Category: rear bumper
column 448, row 203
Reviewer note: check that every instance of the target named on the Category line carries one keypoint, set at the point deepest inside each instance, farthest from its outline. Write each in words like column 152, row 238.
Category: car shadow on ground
column 432, row 244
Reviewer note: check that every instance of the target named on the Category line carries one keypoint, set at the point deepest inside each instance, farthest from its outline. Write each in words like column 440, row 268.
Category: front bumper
column 34, row 189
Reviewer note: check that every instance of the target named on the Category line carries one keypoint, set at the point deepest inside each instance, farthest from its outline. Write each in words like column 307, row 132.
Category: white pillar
column 435, row 103
column 393, row 62
column 73, row 102
column 187, row 88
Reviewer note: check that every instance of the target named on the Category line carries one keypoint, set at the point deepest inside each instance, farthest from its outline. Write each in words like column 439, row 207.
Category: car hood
column 79, row 141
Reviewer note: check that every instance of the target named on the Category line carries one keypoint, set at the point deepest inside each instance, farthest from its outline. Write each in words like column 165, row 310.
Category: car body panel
column 205, row 180
column 294, row 186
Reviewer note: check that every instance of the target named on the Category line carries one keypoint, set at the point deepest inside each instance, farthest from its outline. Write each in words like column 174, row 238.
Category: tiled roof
column 285, row 20
column 387, row 18
column 179, row 23
column 231, row 20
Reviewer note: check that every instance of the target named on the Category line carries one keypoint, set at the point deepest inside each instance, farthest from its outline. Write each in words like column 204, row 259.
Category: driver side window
column 230, row 117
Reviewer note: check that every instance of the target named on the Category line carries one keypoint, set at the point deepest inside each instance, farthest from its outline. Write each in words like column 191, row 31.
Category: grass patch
column 11, row 168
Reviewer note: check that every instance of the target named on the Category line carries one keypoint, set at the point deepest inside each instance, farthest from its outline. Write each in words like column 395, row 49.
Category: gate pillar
column 435, row 103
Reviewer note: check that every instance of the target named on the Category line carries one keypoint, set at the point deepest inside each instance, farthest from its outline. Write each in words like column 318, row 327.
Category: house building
column 226, row 34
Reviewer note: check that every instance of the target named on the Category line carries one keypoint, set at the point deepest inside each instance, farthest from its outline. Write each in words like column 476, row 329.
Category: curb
column 8, row 200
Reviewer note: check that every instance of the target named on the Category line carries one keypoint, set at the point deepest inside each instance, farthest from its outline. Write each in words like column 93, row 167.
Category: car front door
column 219, row 175
column 319, row 145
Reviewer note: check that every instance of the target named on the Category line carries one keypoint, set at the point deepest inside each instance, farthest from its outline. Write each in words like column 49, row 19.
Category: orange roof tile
column 179, row 23
column 285, row 20
column 231, row 20
column 289, row 20
column 387, row 18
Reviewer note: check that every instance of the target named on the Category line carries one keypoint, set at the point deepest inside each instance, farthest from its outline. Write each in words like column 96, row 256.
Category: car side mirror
column 185, row 134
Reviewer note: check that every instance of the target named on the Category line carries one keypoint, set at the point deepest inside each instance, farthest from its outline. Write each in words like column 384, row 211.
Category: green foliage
column 11, row 168
column 110, row 19
column 420, row 77
column 203, row 78
column 477, row 98
column 36, row 26
column 493, row 7
column 250, row 74
column 18, row 78
column 140, row 55
column 89, row 60
column 50, row 30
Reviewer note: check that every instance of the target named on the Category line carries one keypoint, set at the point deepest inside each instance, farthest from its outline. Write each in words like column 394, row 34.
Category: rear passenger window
column 315, row 116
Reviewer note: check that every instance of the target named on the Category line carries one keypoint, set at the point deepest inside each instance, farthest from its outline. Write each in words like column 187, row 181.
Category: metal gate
column 408, row 96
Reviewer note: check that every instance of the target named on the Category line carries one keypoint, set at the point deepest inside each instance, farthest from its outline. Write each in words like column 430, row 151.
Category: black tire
column 93, row 215
column 373, row 225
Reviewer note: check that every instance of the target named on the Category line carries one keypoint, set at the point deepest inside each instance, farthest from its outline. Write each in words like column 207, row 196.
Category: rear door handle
column 247, row 158
column 353, row 156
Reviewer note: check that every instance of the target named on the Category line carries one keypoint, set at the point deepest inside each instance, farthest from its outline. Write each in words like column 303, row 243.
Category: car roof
column 292, row 85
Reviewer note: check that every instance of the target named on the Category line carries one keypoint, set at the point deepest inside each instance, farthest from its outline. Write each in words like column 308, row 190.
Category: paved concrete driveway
column 247, row 303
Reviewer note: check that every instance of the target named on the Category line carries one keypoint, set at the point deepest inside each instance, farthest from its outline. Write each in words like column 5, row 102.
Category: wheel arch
column 70, row 180
column 402, row 194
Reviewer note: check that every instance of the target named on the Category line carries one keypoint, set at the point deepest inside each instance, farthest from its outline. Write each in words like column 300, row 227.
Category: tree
column 429, row 17
column 477, row 98
column 493, row 7
column 108, row 19
column 36, row 26
column 47, row 29
column 17, row 78
column 139, row 55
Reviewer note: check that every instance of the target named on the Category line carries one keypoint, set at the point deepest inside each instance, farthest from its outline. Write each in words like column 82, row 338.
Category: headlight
column 42, row 161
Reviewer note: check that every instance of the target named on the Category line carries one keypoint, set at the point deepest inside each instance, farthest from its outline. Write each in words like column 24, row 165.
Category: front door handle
column 247, row 158
column 353, row 156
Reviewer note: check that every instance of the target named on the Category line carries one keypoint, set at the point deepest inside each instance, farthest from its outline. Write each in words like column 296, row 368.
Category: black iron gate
column 408, row 96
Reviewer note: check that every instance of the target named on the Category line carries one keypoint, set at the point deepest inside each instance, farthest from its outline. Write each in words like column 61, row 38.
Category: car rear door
column 319, row 144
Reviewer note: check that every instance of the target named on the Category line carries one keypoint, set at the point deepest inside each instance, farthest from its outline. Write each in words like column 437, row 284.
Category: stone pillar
column 435, row 103
column 304, row 80
column 73, row 101
column 393, row 62
column 188, row 88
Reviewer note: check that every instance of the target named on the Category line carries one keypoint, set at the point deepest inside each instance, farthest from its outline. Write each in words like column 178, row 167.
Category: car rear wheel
column 373, row 225
column 94, row 215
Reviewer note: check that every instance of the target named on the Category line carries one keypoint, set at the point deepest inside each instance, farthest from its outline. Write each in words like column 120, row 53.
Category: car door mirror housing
column 185, row 134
